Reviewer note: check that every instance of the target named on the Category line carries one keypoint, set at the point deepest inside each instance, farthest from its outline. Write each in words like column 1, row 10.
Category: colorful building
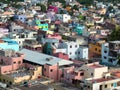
column 55, row 35
column 7, row 43
column 41, row 25
column 111, row 53
column 52, row 65
column 32, row 44
column 52, row 8
column 95, row 49
column 14, row 71
column 79, row 29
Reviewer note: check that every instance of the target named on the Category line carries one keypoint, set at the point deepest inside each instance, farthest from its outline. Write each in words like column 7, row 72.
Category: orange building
column 95, row 49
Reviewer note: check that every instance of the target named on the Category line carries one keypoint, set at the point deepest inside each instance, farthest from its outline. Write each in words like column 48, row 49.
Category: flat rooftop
column 20, row 73
column 114, row 41
column 42, row 59
column 101, row 80
column 96, row 66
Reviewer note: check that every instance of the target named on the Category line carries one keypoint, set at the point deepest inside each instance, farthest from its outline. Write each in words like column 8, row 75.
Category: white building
column 63, row 17
column 20, row 37
column 74, row 51
column 87, row 32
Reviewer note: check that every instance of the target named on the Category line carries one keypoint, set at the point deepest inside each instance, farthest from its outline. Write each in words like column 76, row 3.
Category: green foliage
column 10, row 1
column 43, row 7
column 85, row 2
column 75, row 7
column 45, row 48
column 64, row 37
column 115, row 35
column 110, row 8
column 61, row 1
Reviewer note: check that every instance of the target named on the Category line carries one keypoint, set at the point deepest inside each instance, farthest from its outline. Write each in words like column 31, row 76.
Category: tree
column 85, row 2
column 47, row 48
column 43, row 7
column 75, row 7
column 61, row 1
column 110, row 8
column 115, row 35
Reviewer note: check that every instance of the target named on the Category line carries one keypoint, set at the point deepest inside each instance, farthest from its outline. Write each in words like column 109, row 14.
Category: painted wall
column 42, row 26
column 95, row 48
column 52, row 72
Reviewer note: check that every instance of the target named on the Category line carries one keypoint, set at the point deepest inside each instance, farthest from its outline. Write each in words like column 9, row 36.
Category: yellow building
column 49, row 32
column 95, row 48
column 22, row 75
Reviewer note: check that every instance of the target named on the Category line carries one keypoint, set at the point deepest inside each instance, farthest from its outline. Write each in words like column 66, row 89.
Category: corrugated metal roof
column 42, row 59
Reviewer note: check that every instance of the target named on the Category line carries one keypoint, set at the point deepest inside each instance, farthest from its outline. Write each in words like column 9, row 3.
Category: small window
column 44, row 69
column 19, row 62
column 76, row 46
column 79, row 52
column 91, row 74
column 70, row 46
column 95, row 49
column 105, row 51
column 75, row 52
column 14, row 62
column 70, row 59
column 105, row 57
column 82, row 74
column 51, row 70
column 99, row 50
column 111, row 84
column 53, row 43
column 70, row 53
column 106, row 86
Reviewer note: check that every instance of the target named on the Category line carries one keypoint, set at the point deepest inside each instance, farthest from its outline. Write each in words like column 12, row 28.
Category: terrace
column 102, row 80
column 21, row 72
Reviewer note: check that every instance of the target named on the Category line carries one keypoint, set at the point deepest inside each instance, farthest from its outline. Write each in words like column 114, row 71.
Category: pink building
column 61, row 55
column 53, row 8
column 32, row 45
column 10, row 61
column 52, row 72
column 71, row 74
column 55, row 36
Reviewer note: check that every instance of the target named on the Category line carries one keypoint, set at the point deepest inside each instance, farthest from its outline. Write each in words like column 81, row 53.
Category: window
column 51, row 70
column 95, row 49
column 70, row 46
column 53, row 43
column 105, row 51
column 3, row 80
column 111, row 84
column 75, row 52
column 100, row 87
column 82, row 74
column 19, row 62
column 79, row 52
column 76, row 46
column 91, row 74
column 62, row 75
column 99, row 50
column 44, row 69
column 106, row 86
column 14, row 62
column 105, row 57
column 70, row 53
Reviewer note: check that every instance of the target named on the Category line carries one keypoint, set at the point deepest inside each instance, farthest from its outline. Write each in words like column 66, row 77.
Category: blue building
column 22, row 18
column 42, row 25
column 9, row 44
column 77, row 28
